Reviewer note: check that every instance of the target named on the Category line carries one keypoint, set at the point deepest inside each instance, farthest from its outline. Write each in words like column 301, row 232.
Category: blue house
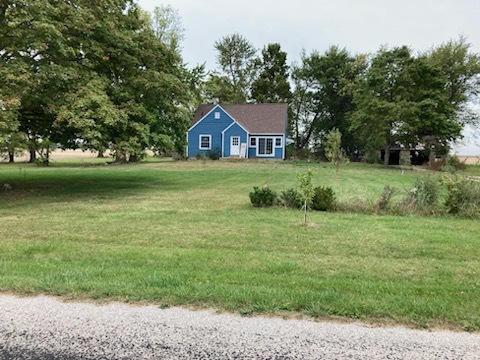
column 239, row 131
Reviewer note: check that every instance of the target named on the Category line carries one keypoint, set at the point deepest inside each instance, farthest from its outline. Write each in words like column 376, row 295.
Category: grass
column 184, row 233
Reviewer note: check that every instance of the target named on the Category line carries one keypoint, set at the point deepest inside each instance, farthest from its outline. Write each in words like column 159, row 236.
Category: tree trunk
column 386, row 158
column 431, row 157
column 33, row 156
column 46, row 161
column 100, row 154
column 120, row 157
column 133, row 158
column 305, row 213
column 11, row 157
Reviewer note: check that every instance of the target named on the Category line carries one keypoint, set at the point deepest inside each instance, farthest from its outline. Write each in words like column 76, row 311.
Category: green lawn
column 184, row 233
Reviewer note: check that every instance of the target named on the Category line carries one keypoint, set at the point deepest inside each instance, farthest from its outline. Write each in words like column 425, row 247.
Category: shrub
column 454, row 162
column 201, row 155
column 214, row 154
column 291, row 198
column 436, row 165
column 323, row 199
column 424, row 193
column 386, row 197
column 405, row 158
column 262, row 197
column 463, row 196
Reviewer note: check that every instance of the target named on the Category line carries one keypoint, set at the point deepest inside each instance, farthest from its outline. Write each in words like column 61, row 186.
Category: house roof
column 255, row 118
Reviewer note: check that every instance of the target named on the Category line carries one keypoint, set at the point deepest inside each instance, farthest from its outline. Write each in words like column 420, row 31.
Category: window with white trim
column 205, row 142
column 278, row 142
column 217, row 115
column 253, row 142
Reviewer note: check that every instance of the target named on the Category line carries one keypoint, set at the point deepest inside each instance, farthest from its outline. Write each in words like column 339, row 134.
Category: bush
column 463, row 197
column 324, row 199
column 201, row 155
column 386, row 197
column 424, row 193
column 262, row 197
column 291, row 199
column 453, row 164
column 214, row 154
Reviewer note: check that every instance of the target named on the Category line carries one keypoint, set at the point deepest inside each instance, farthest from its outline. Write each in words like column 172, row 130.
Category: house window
column 265, row 146
column 253, row 142
column 278, row 142
column 217, row 115
column 205, row 142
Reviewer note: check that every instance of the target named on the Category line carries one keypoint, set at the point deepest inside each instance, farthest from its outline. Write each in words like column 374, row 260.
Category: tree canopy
column 271, row 85
column 404, row 100
column 90, row 74
column 322, row 96
column 237, row 61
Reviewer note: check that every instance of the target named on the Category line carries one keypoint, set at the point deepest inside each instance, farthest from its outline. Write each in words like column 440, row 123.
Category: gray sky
column 361, row 26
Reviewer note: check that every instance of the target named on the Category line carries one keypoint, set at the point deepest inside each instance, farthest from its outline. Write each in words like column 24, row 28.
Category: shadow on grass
column 76, row 180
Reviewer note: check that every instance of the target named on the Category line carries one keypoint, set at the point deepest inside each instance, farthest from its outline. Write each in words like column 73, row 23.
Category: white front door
column 235, row 146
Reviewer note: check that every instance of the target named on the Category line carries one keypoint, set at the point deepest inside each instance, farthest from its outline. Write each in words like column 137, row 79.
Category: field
column 184, row 233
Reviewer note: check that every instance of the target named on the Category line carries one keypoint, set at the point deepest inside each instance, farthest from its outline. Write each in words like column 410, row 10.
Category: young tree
column 237, row 60
column 333, row 149
column 306, row 190
column 272, row 85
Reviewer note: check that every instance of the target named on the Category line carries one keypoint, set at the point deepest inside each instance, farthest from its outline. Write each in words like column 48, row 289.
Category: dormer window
column 217, row 115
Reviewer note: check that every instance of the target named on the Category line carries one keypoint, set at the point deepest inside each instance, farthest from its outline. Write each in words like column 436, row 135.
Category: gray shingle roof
column 256, row 118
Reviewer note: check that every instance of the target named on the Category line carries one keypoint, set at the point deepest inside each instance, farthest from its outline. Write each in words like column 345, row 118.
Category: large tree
column 167, row 26
column 401, row 101
column 272, row 85
column 381, row 101
column 96, row 72
column 461, row 68
column 236, row 58
column 322, row 96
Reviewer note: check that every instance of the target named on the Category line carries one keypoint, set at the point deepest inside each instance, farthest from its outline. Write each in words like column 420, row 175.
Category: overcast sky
column 361, row 26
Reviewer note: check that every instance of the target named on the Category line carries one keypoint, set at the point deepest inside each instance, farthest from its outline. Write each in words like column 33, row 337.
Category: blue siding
column 214, row 127
column 235, row 130
column 277, row 153
column 208, row 126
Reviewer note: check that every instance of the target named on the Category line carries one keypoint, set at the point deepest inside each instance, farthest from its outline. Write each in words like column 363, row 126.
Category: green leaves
column 93, row 71
column 306, row 190
column 237, row 61
column 272, row 85
column 333, row 148
column 323, row 96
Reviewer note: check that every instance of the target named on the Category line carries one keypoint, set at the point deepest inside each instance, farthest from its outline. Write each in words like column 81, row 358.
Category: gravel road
column 47, row 328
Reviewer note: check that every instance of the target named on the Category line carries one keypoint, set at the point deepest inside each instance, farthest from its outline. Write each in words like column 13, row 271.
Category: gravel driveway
column 46, row 328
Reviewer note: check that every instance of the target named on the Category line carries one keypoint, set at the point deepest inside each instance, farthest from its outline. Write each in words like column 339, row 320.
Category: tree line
column 106, row 74
column 392, row 98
